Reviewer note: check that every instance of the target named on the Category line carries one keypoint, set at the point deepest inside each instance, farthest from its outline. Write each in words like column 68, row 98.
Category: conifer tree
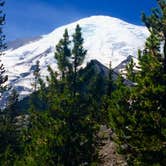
column 65, row 132
column 78, row 54
column 110, row 85
column 138, row 114
column 77, row 115
column 8, row 136
column 36, row 74
column 157, row 23
column 62, row 54
column 130, row 70
column 9, row 132
column 3, row 77
column 39, row 89
column 11, row 107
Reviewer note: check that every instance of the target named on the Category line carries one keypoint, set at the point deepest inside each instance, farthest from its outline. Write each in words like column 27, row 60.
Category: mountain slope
column 106, row 39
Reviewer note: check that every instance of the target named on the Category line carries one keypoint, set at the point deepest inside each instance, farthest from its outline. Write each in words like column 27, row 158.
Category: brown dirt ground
column 107, row 153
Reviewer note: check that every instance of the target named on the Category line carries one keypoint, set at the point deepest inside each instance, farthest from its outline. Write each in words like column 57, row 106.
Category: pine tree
column 157, row 23
column 62, row 55
column 78, row 55
column 76, row 114
column 110, row 86
column 149, row 101
column 9, row 131
column 3, row 78
column 130, row 70
column 65, row 132
column 36, row 74
column 138, row 114
column 42, row 141
column 37, row 98
column 8, row 136
column 12, row 105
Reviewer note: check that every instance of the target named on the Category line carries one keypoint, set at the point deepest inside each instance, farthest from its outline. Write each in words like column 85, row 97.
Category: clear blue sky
column 27, row 18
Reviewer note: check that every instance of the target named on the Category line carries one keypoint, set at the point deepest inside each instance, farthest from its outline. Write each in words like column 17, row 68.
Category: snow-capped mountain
column 106, row 39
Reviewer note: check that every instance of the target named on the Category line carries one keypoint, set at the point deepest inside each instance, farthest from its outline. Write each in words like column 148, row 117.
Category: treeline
column 67, row 110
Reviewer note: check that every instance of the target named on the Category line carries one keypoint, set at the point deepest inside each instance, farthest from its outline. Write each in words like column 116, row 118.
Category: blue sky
column 28, row 18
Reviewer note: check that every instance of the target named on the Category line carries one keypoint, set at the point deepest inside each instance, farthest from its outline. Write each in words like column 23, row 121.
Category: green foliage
column 62, row 55
column 36, row 74
column 65, row 113
column 91, row 80
column 61, row 128
column 137, row 114
column 3, row 78
column 78, row 55
column 156, row 23
column 12, row 102
column 9, row 138
column 130, row 70
column 10, row 147
column 41, row 140
column 78, row 52
column 110, row 84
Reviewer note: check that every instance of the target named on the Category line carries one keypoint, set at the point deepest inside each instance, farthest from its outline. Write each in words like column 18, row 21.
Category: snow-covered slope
column 106, row 39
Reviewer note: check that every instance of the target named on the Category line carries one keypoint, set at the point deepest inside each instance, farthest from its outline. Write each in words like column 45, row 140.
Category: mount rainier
column 105, row 38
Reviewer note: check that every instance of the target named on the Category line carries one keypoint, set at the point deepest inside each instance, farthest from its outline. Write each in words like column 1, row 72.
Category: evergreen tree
column 36, row 74
column 130, row 70
column 8, row 136
column 137, row 114
column 78, row 55
column 10, row 132
column 12, row 105
column 65, row 132
column 3, row 78
column 42, row 141
column 110, row 86
column 62, row 54
column 37, row 98
column 156, row 23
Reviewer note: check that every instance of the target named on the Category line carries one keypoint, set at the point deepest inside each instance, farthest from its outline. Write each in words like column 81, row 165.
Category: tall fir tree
column 62, row 54
column 78, row 55
column 12, row 103
column 3, row 77
column 130, row 70
column 9, row 138
column 157, row 23
column 138, row 114
column 36, row 74
column 111, row 85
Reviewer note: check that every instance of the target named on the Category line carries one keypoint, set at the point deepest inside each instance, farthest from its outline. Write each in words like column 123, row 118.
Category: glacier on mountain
column 105, row 38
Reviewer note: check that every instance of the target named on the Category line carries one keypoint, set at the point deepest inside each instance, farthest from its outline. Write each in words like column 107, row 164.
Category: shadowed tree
column 138, row 114
column 3, row 77
column 78, row 55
